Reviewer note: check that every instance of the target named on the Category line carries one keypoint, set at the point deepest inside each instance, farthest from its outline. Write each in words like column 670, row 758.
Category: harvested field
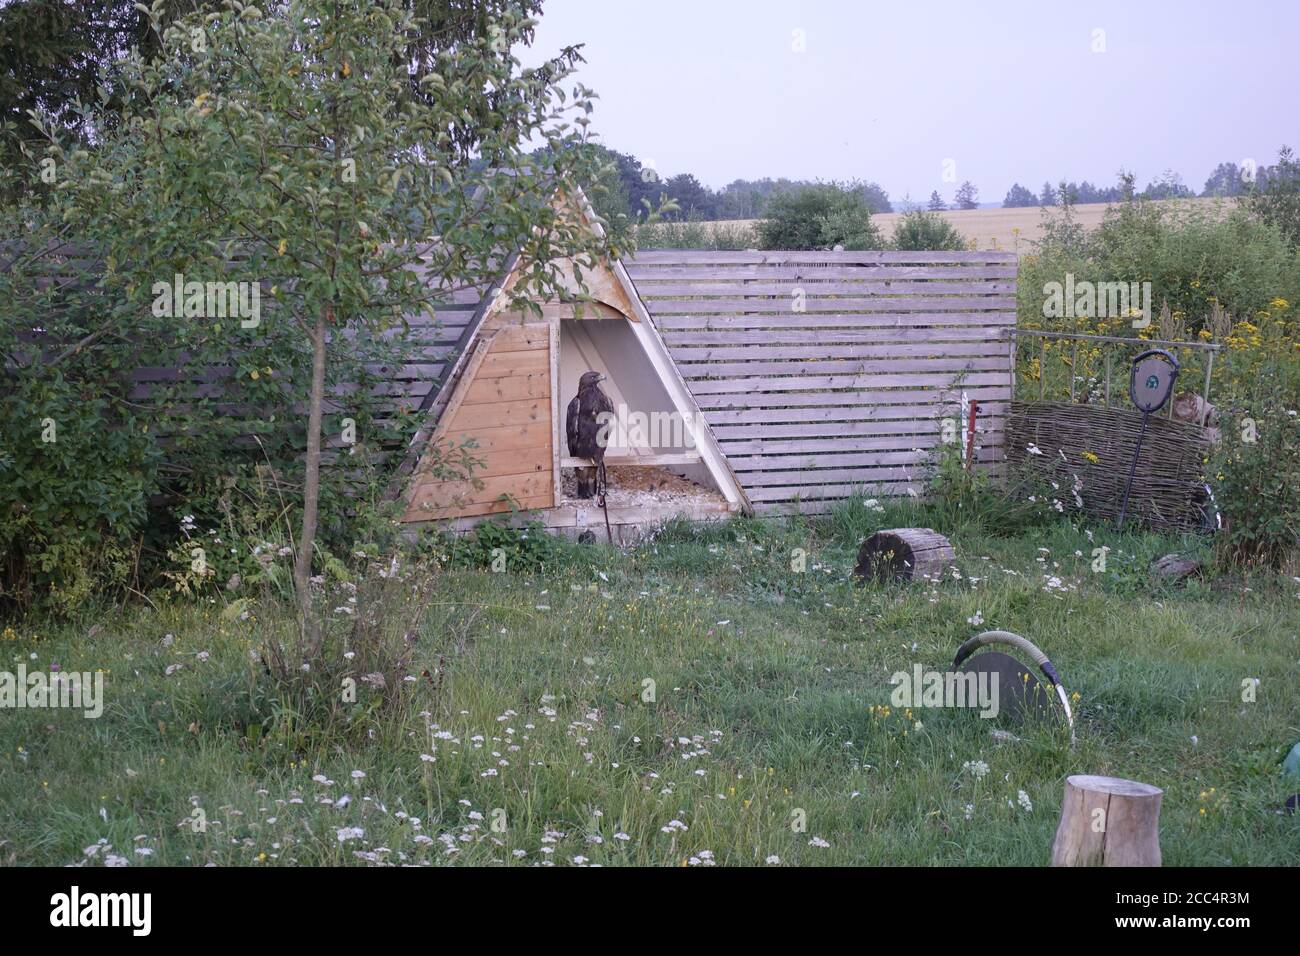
column 1013, row 230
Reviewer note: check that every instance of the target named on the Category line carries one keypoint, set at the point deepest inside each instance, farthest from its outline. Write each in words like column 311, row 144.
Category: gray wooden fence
column 823, row 374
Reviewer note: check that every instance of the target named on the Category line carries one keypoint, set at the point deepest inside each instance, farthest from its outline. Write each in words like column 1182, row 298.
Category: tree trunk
column 311, row 631
column 1107, row 821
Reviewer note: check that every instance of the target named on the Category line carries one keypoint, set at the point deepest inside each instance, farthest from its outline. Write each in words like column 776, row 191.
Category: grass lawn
column 537, row 737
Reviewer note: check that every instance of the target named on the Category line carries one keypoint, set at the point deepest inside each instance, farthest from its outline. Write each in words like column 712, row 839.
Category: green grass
column 761, row 735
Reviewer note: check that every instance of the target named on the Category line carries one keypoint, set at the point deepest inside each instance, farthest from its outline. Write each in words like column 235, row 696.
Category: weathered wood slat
column 802, row 367
column 988, row 322
column 502, row 437
column 498, row 365
column 703, row 387
column 773, row 453
column 645, row 276
column 939, row 396
column 848, row 420
column 914, row 337
column 692, row 256
column 783, row 305
column 756, row 352
column 820, row 468
column 811, row 289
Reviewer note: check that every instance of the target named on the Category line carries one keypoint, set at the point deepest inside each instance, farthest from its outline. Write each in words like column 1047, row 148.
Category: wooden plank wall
column 503, row 403
column 822, row 373
column 434, row 335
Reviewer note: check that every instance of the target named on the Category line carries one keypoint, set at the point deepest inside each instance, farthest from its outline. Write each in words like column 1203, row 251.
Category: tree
column 821, row 216
column 925, row 231
column 876, row 198
column 1018, row 196
column 1168, row 186
column 1225, row 181
column 967, row 196
column 285, row 159
column 936, row 203
column 1277, row 201
column 695, row 201
column 1047, row 195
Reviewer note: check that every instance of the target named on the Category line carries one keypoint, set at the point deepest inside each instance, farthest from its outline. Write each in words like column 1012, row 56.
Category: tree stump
column 1107, row 821
column 899, row 554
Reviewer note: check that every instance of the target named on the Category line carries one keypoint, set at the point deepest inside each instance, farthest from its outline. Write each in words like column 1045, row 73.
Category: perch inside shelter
column 508, row 392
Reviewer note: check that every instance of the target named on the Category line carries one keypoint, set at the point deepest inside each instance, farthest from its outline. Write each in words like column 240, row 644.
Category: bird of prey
column 584, row 431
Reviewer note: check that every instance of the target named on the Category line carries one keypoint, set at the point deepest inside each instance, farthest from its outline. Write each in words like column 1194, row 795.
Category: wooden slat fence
column 826, row 373
column 433, row 340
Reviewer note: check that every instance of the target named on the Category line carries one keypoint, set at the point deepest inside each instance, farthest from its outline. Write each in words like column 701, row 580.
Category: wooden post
column 1074, row 364
column 1205, row 393
column 1108, row 821
column 1108, row 380
column 970, row 434
column 1042, row 368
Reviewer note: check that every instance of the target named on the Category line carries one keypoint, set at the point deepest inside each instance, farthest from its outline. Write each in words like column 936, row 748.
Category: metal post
column 1108, row 380
column 1132, row 469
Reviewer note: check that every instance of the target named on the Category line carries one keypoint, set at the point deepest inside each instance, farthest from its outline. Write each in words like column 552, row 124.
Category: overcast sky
column 1009, row 91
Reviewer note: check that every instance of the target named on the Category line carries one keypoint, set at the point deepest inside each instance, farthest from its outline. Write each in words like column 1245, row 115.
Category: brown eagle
column 583, row 429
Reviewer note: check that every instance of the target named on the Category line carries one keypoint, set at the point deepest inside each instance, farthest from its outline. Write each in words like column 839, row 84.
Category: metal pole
column 1132, row 468
column 1108, row 380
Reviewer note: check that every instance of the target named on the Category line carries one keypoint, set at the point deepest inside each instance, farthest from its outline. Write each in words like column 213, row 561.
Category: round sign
column 1152, row 381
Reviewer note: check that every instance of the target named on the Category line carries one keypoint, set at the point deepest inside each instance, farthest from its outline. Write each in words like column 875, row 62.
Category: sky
column 922, row 95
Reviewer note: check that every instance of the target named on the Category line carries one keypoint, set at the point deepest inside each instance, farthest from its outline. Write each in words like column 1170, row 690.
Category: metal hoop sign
column 1150, row 385
column 1152, row 380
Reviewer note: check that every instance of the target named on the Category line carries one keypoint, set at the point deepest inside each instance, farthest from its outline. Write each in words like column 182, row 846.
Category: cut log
column 900, row 554
column 1190, row 407
column 1108, row 821
column 1173, row 568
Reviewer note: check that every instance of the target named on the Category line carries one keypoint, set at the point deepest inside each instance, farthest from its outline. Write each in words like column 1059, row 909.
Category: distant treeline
column 632, row 185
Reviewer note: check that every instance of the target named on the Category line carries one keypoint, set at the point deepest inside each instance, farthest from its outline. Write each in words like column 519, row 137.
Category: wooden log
column 1173, row 568
column 1191, row 407
column 1108, row 821
column 900, row 554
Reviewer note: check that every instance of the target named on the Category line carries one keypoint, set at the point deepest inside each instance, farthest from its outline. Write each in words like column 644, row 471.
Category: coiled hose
column 1023, row 644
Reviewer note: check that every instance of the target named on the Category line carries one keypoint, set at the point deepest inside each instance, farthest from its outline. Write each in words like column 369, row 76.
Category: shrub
column 1195, row 259
column 920, row 231
column 958, row 498
column 819, row 217
column 1278, row 200
column 1257, row 462
column 692, row 234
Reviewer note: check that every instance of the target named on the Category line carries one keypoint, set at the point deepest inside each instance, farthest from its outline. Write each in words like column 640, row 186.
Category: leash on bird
column 602, row 485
